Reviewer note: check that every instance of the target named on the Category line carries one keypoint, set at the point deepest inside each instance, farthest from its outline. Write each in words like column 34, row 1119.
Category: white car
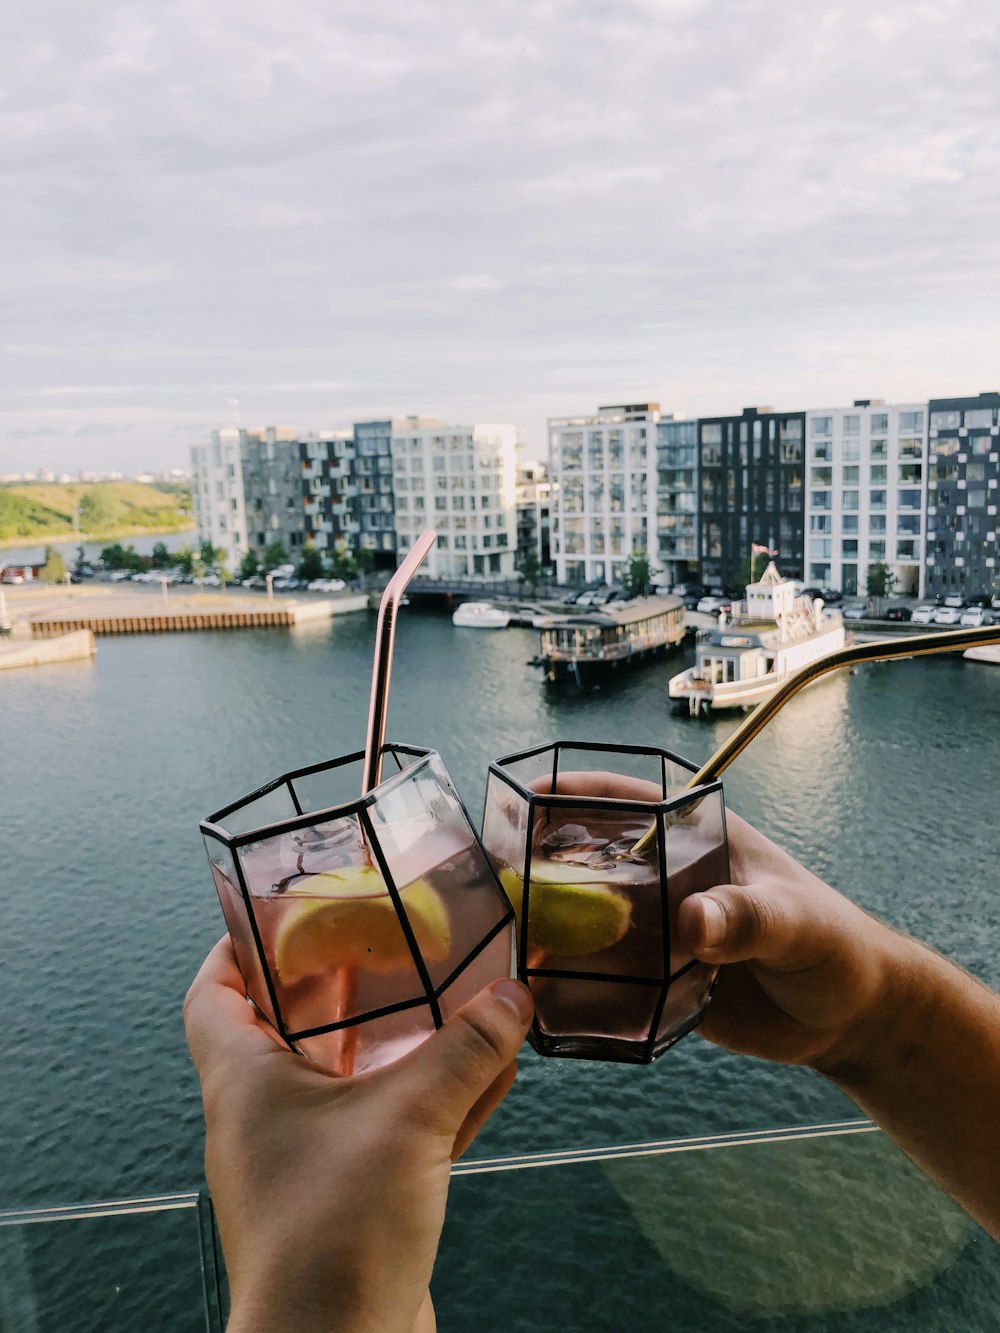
column 326, row 585
column 119, row 576
column 710, row 606
column 923, row 615
column 974, row 617
column 948, row 615
column 209, row 581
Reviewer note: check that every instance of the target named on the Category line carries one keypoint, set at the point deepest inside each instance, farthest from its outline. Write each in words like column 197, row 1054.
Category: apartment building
column 272, row 490
column 329, row 489
column 962, row 495
column 751, row 491
column 217, row 493
column 677, row 495
column 374, row 502
column 533, row 498
column 460, row 480
column 604, row 466
column 866, row 494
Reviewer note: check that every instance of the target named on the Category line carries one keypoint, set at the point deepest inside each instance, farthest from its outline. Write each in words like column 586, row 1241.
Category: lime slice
column 569, row 917
column 346, row 919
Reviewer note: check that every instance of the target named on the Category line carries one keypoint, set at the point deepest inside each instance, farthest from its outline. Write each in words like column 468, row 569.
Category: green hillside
column 45, row 511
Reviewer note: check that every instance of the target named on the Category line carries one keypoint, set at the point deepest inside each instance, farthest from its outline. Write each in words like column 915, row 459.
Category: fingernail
column 514, row 994
column 713, row 918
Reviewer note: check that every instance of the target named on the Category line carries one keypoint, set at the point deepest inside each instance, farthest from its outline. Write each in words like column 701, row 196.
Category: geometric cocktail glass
column 596, row 924
column 359, row 923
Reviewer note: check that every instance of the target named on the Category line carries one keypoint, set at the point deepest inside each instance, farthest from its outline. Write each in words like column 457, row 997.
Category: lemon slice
column 346, row 919
column 571, row 917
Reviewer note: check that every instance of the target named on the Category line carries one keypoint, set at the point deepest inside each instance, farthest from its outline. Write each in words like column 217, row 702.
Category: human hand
column 806, row 973
column 330, row 1192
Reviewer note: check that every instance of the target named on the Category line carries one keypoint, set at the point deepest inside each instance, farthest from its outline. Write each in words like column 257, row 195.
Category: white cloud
column 502, row 209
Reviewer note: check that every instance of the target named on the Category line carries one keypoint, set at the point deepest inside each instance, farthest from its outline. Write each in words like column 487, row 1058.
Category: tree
column 209, row 554
column 638, row 572
column 161, row 558
column 311, row 564
column 274, row 555
column 79, row 562
column 343, row 566
column 880, row 582
column 364, row 560
column 54, row 570
column 117, row 556
column 531, row 568
column 249, row 566
column 184, row 560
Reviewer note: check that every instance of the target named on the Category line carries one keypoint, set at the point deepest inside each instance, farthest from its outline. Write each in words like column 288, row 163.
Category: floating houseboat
column 757, row 644
column 586, row 648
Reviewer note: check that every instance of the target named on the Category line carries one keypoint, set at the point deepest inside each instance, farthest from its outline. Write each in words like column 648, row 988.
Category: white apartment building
column 460, row 480
column 604, row 466
column 866, row 494
column 217, row 493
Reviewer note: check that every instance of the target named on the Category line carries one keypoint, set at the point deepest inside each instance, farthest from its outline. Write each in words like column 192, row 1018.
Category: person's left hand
column 330, row 1192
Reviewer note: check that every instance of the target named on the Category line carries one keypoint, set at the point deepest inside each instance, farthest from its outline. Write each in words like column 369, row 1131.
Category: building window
column 850, row 523
column 821, row 425
column 852, row 424
column 879, row 473
column 876, row 523
column 876, row 550
column 848, row 500
column 850, row 476
column 909, row 499
column 911, row 423
column 876, row 499
column 820, row 548
column 879, row 423
column 821, row 476
column 879, row 449
column 820, row 523
column 979, row 416
column 849, row 550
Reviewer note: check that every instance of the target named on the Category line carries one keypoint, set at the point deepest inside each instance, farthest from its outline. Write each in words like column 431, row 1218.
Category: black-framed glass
column 597, row 938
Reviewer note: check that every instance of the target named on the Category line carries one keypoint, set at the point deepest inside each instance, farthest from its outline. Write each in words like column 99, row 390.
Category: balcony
column 824, row 1227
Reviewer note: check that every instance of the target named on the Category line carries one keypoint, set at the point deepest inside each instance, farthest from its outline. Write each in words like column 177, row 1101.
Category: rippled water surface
column 883, row 782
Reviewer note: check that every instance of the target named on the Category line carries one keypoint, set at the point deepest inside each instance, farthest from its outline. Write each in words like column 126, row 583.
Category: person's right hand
column 809, row 977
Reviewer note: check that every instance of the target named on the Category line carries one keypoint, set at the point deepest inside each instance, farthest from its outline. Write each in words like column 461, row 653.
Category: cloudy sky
column 332, row 209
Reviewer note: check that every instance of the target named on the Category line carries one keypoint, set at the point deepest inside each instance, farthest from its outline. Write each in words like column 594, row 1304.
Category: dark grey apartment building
column 750, row 490
column 272, row 490
column 374, row 506
column 963, row 491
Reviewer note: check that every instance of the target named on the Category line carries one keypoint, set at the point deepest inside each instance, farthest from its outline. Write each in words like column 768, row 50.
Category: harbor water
column 883, row 782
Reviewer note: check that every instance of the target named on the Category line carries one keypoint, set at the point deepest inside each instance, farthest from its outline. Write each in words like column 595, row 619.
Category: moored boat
column 989, row 652
column 757, row 644
column 480, row 615
column 588, row 647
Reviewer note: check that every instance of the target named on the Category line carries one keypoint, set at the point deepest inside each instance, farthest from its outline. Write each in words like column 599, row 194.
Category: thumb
column 444, row 1078
column 733, row 923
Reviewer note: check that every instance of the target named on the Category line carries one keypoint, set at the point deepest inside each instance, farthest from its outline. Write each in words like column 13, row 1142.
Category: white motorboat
column 480, row 615
column 756, row 645
column 989, row 652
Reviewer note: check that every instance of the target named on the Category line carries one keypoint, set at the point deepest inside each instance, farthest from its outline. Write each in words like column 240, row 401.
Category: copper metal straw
column 913, row 645
column 385, row 635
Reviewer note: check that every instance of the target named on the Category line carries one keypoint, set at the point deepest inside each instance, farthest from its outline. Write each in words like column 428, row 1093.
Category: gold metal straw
column 913, row 645
column 385, row 635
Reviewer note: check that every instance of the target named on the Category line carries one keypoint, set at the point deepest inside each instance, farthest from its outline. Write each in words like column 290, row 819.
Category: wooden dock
column 107, row 609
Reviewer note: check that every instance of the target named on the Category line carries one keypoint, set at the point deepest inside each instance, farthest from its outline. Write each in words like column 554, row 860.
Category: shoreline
column 85, row 538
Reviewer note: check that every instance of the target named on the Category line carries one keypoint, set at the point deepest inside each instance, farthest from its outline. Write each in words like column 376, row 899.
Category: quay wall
column 20, row 652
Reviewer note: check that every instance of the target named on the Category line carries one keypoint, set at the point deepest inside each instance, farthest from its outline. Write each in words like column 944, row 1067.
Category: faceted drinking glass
column 597, row 922
column 359, row 923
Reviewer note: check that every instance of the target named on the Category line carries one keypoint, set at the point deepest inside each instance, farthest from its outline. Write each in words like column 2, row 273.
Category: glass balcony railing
column 823, row 1228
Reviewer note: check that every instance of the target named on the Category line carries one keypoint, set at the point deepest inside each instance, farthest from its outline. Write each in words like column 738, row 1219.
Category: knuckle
column 481, row 1039
column 754, row 919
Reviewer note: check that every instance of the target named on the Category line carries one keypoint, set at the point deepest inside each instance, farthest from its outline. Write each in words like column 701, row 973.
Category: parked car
column 686, row 590
column 713, row 604
column 954, row 599
column 812, row 594
column 832, row 595
column 571, row 598
column 923, row 614
column 254, row 581
column 326, row 585
column 602, row 597
column 898, row 613
column 588, row 598
column 119, row 575
column 948, row 615
column 208, row 581
column 859, row 612
column 973, row 617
